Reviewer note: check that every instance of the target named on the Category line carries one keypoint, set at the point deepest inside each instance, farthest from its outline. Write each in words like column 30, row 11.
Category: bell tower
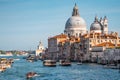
column 105, row 25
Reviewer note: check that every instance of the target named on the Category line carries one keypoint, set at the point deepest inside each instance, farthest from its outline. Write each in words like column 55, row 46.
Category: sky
column 23, row 23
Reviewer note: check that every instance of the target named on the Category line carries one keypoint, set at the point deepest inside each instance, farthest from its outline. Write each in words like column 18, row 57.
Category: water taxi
column 31, row 58
column 64, row 63
column 50, row 63
column 31, row 74
column 79, row 63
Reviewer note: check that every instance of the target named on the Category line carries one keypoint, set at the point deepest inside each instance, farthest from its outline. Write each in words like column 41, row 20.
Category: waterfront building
column 91, row 40
column 40, row 49
column 97, row 54
column 112, row 55
column 69, row 48
column 78, row 43
column 53, row 45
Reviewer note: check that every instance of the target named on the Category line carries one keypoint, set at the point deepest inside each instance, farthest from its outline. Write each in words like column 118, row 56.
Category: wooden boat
column 2, row 69
column 50, row 63
column 64, row 63
column 31, row 74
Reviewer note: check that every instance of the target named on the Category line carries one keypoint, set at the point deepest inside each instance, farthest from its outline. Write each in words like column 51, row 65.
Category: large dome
column 75, row 22
column 75, row 25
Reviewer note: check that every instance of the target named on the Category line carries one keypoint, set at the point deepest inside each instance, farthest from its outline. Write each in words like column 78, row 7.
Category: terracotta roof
column 85, row 35
column 118, row 44
column 59, row 36
column 106, row 43
column 62, row 41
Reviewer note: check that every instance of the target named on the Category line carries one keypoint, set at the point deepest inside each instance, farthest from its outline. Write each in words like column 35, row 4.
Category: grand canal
column 74, row 72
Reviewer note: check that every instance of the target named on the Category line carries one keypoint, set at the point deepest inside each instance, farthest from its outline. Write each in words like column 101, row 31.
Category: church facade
column 40, row 50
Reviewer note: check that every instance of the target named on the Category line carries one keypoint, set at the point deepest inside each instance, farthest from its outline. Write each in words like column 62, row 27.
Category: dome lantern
column 96, row 19
column 75, row 11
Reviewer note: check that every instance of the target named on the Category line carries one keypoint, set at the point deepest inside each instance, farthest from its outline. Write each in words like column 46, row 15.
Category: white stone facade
column 40, row 49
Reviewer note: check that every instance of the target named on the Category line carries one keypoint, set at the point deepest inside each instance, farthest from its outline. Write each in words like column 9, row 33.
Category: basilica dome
column 75, row 25
column 75, row 21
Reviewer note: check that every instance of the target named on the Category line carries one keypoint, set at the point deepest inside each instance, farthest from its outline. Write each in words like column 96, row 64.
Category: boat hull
column 49, row 63
column 64, row 63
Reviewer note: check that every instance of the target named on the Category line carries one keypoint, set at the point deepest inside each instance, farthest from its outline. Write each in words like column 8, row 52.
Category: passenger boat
column 31, row 58
column 79, row 63
column 50, row 63
column 64, row 63
column 31, row 74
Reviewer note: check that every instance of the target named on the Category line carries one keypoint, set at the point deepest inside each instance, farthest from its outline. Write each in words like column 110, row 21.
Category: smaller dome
column 95, row 26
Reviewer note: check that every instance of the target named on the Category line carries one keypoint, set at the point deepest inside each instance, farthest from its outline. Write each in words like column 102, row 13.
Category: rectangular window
column 90, row 40
column 98, row 41
column 90, row 45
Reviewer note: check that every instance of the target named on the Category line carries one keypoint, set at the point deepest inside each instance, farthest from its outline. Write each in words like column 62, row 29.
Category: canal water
column 74, row 72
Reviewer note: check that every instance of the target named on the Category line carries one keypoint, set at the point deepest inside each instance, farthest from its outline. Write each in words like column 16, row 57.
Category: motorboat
column 31, row 58
column 79, row 63
column 50, row 63
column 31, row 74
column 64, row 63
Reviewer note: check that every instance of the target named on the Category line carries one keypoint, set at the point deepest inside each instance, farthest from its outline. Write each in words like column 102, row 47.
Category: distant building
column 40, row 49
column 8, row 53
